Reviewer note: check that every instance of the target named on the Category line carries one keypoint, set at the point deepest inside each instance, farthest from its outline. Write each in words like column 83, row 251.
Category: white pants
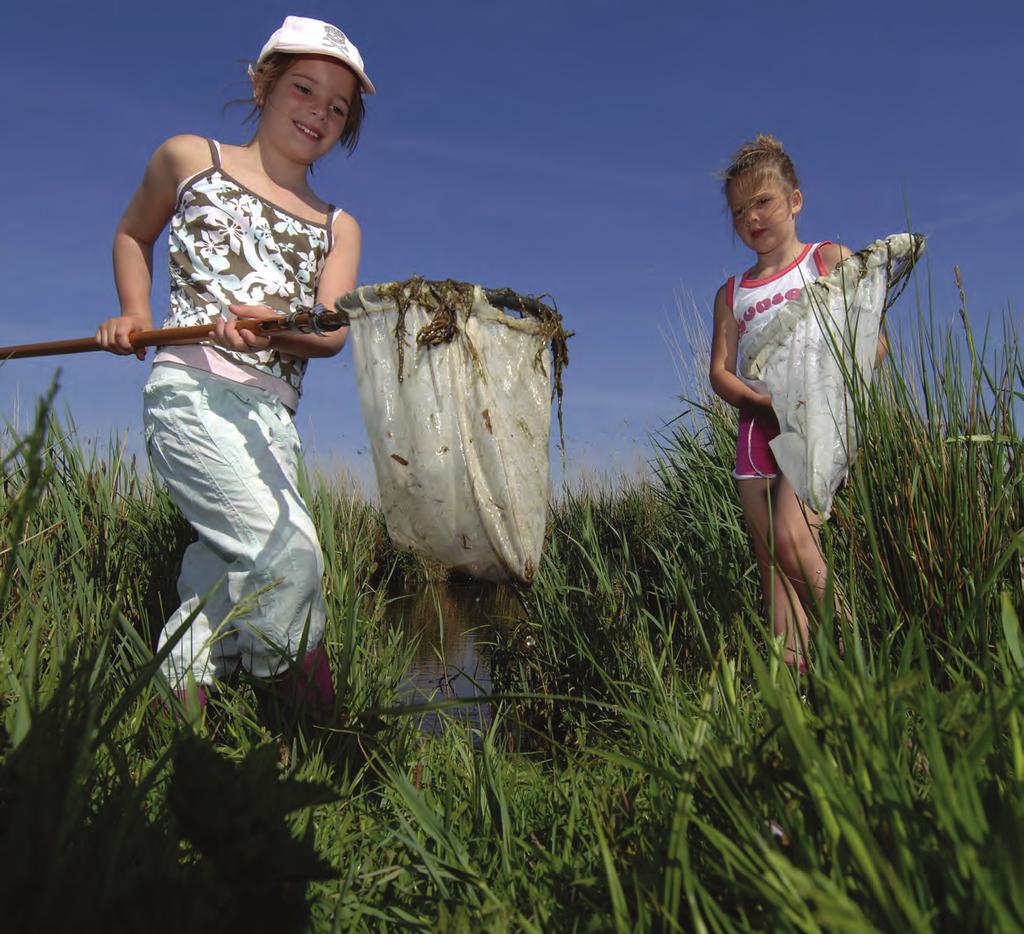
column 227, row 454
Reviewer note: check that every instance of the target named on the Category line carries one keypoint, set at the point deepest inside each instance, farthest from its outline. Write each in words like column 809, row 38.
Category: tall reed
column 649, row 764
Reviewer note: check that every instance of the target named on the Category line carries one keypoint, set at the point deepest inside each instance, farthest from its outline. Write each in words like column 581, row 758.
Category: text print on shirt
column 790, row 295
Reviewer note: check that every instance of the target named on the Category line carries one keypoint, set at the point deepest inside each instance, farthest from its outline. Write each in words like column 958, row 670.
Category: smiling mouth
column 312, row 134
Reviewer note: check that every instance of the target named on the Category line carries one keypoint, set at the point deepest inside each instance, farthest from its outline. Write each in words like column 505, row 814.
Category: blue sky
column 567, row 148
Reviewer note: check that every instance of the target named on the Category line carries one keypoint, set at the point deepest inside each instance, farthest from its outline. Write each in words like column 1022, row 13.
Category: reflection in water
column 454, row 626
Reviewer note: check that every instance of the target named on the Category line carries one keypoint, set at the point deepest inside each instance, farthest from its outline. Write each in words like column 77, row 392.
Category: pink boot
column 318, row 669
column 311, row 683
column 186, row 696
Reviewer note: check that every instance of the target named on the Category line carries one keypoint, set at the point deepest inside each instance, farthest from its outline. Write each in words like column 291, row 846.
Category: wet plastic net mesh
column 817, row 352
column 455, row 385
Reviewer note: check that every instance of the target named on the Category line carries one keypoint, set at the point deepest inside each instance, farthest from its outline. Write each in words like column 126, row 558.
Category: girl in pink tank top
column 764, row 196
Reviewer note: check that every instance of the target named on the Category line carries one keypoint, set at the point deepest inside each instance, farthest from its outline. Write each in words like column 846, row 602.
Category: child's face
column 764, row 211
column 308, row 106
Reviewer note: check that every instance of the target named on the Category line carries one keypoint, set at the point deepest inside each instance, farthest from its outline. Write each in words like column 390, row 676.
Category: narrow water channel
column 454, row 626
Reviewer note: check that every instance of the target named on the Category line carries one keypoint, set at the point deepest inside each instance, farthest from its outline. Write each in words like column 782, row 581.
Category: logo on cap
column 335, row 37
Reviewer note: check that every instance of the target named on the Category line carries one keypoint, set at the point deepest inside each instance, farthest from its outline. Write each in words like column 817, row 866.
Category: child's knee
column 801, row 562
column 295, row 556
column 302, row 575
column 308, row 580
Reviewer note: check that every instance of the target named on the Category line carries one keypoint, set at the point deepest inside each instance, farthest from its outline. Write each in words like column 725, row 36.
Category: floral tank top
column 229, row 246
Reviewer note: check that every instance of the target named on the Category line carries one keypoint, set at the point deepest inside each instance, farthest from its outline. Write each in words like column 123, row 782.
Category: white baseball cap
column 300, row 34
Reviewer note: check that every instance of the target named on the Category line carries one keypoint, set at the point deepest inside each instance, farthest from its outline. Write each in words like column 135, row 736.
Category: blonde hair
column 762, row 157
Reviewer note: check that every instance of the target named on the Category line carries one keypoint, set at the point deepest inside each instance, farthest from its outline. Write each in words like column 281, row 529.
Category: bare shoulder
column 345, row 228
column 722, row 301
column 723, row 334
column 183, row 155
column 832, row 254
column 724, row 320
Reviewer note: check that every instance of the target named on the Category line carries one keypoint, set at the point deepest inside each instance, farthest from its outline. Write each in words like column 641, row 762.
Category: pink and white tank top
column 754, row 302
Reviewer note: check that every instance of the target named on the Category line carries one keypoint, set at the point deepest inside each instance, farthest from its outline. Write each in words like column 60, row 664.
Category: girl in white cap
column 248, row 238
column 764, row 198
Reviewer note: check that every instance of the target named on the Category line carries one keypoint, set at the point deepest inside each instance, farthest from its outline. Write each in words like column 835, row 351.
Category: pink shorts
column 754, row 458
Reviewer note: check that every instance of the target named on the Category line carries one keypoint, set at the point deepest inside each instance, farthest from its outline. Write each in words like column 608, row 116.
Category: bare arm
column 337, row 277
column 832, row 254
column 722, row 373
column 147, row 214
column 882, row 348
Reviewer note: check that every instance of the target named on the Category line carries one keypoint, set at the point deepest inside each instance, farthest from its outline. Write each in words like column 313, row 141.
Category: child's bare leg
column 781, row 602
column 797, row 530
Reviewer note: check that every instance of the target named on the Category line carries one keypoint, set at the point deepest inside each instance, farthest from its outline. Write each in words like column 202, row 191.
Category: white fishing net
column 816, row 353
column 456, row 396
